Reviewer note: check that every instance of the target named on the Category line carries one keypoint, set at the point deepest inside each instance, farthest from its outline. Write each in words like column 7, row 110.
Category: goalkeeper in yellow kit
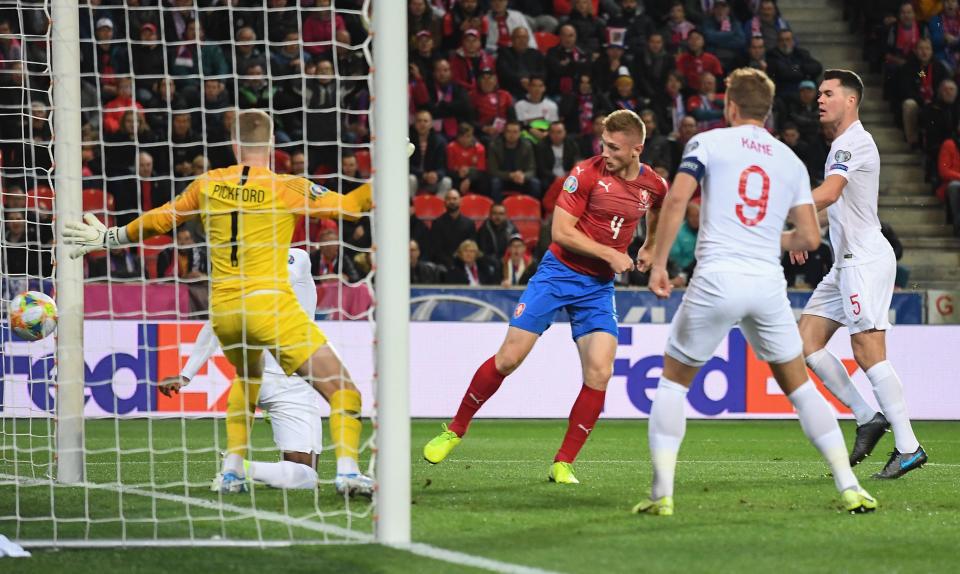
column 249, row 213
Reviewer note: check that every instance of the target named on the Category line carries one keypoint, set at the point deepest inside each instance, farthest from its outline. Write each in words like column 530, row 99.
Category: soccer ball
column 33, row 315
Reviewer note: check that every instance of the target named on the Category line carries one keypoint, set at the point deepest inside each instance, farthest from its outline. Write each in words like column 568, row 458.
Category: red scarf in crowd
column 503, row 32
column 926, row 83
column 586, row 113
column 907, row 38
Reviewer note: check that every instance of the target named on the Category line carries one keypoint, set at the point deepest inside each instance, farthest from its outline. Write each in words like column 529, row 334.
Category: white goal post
column 393, row 273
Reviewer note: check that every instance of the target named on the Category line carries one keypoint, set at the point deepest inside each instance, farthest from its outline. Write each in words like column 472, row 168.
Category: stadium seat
column 281, row 161
column 524, row 212
column 522, row 207
column 427, row 208
column 545, row 41
column 41, row 199
column 364, row 166
column 476, row 207
column 564, row 7
column 151, row 250
column 95, row 199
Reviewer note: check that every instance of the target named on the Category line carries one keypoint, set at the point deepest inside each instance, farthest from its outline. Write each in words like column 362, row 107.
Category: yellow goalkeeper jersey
column 249, row 214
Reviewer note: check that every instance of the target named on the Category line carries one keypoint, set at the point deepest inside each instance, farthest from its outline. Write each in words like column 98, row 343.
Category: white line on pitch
column 425, row 550
column 539, row 461
column 628, row 461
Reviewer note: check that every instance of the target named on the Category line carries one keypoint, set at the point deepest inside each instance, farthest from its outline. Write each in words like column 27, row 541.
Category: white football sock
column 889, row 392
column 347, row 465
column 667, row 425
column 233, row 463
column 283, row 474
column 821, row 427
column 834, row 376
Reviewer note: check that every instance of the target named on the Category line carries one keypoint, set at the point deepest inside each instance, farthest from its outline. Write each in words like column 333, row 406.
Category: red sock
column 485, row 382
column 584, row 414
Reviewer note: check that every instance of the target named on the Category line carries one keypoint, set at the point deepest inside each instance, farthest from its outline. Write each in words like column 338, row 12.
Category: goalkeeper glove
column 92, row 235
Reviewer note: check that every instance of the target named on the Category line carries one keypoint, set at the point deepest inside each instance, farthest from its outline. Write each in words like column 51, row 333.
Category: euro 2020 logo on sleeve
column 571, row 184
column 842, row 156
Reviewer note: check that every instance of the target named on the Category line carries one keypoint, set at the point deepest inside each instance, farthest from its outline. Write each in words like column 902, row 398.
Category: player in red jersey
column 597, row 213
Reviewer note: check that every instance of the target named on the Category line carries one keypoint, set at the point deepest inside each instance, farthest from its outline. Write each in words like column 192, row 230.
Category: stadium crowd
column 916, row 46
column 505, row 97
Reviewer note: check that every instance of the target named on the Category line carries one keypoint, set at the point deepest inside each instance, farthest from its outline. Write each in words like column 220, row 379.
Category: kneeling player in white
column 294, row 409
column 751, row 184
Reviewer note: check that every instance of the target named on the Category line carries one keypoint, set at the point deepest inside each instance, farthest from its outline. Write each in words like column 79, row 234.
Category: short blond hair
column 625, row 121
column 466, row 244
column 752, row 90
column 254, row 129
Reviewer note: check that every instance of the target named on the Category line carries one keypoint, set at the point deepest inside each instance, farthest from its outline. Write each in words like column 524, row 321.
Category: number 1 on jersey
column 760, row 204
column 234, row 231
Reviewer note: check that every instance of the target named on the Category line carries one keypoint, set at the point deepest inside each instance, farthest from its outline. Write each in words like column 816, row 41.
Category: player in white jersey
column 294, row 409
column 858, row 289
column 751, row 184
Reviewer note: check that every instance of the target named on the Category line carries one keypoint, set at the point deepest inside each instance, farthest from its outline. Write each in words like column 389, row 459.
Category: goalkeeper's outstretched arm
column 92, row 235
column 303, row 197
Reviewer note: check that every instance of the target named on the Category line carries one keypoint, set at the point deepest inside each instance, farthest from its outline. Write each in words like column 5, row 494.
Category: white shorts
column 858, row 297
column 294, row 408
column 716, row 301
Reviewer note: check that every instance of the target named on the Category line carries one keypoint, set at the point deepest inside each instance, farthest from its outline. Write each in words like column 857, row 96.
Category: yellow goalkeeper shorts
column 271, row 321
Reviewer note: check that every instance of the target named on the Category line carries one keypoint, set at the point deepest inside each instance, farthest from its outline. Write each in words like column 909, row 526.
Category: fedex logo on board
column 123, row 363
column 119, row 366
column 737, row 383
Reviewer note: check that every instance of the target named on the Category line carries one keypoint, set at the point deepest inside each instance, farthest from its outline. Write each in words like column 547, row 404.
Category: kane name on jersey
column 608, row 209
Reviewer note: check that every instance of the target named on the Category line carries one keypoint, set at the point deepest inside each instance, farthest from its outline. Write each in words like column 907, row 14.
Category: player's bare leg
column 327, row 374
column 870, row 351
column 486, row 380
column 820, row 426
column 597, row 352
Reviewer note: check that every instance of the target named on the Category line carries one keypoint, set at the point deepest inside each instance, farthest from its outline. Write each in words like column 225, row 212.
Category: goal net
column 161, row 84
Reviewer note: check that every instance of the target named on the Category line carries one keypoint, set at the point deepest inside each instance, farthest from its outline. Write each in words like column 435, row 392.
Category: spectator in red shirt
column 948, row 167
column 469, row 59
column 467, row 162
column 493, row 106
column 114, row 109
column 695, row 61
column 318, row 29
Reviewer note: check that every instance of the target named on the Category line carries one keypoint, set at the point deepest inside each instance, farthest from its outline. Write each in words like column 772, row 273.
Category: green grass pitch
column 752, row 496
